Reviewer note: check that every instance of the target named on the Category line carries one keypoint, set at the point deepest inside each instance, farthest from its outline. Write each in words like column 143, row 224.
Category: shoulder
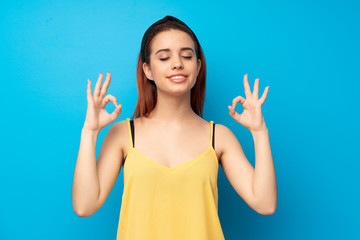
column 119, row 133
column 224, row 138
column 223, row 131
column 118, row 127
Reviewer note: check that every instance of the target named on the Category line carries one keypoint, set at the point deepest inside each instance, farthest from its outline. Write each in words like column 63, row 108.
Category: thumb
column 234, row 114
column 116, row 113
column 232, row 111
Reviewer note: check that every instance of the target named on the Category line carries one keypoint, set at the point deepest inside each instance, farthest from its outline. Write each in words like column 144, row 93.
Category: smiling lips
column 177, row 77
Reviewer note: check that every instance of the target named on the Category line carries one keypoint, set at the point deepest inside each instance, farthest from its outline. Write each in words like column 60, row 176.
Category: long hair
column 147, row 89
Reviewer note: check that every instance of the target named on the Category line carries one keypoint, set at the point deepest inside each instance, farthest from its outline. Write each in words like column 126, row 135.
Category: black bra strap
column 132, row 137
column 213, row 136
column 132, row 132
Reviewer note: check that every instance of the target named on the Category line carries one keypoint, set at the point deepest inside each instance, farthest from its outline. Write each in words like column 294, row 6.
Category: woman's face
column 173, row 53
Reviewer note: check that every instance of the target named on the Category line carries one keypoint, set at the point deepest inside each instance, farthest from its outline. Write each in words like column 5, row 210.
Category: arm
column 94, row 180
column 257, row 186
column 264, row 179
column 86, row 185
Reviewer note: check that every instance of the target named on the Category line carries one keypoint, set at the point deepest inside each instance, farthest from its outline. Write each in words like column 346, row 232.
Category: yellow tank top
column 177, row 203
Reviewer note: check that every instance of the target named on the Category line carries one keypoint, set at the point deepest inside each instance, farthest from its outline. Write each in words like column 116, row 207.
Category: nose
column 177, row 63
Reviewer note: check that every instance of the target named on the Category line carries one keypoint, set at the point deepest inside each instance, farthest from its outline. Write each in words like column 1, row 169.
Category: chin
column 176, row 92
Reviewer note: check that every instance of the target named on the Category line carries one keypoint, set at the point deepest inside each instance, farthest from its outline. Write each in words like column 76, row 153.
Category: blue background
column 306, row 51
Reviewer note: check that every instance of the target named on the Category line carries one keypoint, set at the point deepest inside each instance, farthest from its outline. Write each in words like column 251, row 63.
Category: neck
column 172, row 109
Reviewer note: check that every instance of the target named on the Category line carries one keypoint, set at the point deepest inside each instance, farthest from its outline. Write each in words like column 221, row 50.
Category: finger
column 106, row 84
column 239, row 99
column 89, row 96
column 234, row 114
column 98, row 85
column 264, row 95
column 247, row 86
column 109, row 98
column 116, row 113
column 256, row 88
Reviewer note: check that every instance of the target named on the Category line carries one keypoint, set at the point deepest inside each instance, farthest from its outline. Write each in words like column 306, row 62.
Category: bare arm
column 264, row 179
column 87, row 182
column 86, row 185
column 93, row 180
column 256, row 186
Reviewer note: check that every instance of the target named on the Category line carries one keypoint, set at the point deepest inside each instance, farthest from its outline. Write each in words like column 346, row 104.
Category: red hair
column 147, row 93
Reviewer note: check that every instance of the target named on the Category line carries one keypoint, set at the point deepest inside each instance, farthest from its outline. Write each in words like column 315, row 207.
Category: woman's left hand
column 252, row 117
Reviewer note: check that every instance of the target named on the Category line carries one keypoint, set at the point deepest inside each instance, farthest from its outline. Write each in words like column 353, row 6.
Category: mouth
column 177, row 78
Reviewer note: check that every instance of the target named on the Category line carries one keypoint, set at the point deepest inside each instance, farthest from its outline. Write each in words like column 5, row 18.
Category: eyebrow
column 168, row 50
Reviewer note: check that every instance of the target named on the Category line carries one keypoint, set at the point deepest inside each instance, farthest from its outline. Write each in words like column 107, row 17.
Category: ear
column 147, row 71
column 199, row 66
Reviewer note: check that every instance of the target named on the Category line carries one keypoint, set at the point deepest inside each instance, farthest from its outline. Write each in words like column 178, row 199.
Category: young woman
column 169, row 153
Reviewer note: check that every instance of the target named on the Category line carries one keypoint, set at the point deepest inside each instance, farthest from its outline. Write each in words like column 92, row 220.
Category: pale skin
column 181, row 133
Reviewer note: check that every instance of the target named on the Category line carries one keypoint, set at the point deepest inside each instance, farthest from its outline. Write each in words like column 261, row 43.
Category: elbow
column 84, row 209
column 266, row 209
column 82, row 213
column 269, row 211
column 79, row 212
column 77, row 209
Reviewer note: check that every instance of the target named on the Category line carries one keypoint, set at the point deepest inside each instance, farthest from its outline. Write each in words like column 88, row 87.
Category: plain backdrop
column 306, row 51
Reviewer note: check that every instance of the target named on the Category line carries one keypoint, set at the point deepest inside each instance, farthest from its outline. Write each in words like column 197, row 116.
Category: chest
column 141, row 169
column 171, row 148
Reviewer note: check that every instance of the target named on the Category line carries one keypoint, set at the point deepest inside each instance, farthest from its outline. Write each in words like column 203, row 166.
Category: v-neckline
column 176, row 167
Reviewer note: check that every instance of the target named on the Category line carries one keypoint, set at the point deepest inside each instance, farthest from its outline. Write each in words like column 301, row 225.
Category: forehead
column 172, row 39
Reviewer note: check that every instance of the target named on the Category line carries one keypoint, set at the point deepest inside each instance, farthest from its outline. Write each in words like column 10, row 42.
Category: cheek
column 195, row 68
column 158, row 70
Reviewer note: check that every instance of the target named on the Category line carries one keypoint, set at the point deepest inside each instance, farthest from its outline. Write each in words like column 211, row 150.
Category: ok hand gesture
column 96, row 116
column 252, row 117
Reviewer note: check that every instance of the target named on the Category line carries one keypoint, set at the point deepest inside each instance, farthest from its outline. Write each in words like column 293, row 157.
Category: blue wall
column 308, row 53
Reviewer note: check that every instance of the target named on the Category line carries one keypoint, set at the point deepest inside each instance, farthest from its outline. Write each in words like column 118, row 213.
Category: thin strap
column 131, row 131
column 212, row 135
column 212, row 125
column 213, row 138
column 131, row 134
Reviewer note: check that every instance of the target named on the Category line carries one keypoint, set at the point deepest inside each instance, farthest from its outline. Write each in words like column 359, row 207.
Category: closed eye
column 164, row 59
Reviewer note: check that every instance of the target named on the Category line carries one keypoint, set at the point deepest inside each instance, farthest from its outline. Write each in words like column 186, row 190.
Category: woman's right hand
column 96, row 116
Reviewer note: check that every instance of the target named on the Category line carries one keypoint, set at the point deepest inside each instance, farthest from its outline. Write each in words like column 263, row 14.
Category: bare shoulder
column 222, row 128
column 224, row 138
column 116, row 130
column 224, row 133
column 118, row 133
